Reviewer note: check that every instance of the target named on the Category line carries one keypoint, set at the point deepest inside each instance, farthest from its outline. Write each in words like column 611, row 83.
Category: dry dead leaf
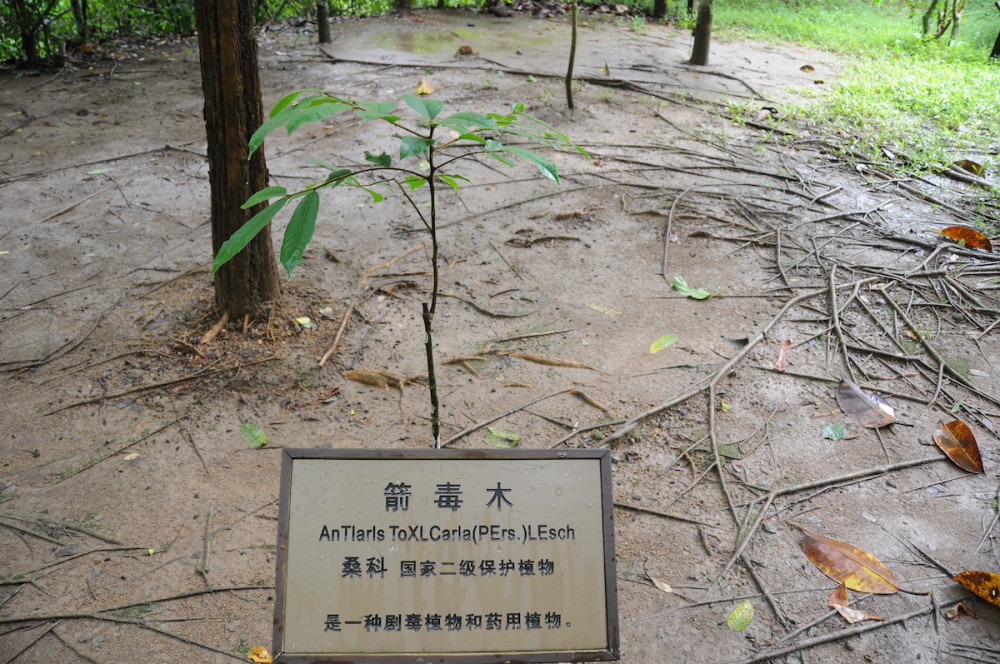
column 983, row 584
column 956, row 439
column 783, row 351
column 550, row 361
column 838, row 601
column 424, row 87
column 259, row 655
column 849, row 565
column 970, row 237
column 955, row 612
column 381, row 378
column 867, row 409
column 662, row 585
column 973, row 167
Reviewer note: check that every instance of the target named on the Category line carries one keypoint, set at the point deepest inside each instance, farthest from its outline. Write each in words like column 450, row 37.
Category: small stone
column 85, row 635
column 230, row 627
column 68, row 550
column 769, row 527
column 97, row 640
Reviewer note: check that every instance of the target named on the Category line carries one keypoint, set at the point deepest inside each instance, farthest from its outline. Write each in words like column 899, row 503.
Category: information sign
column 445, row 556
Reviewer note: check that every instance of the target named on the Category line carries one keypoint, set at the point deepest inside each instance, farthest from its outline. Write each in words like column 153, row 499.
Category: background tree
column 29, row 17
column 233, row 111
column 702, row 33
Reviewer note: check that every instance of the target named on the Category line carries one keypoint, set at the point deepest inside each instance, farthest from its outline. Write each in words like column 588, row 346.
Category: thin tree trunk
column 572, row 55
column 323, row 21
column 925, row 20
column 995, row 53
column 702, row 33
column 79, row 8
column 659, row 9
column 233, row 111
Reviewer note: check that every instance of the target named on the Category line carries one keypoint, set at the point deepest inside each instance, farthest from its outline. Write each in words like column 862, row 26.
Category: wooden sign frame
column 339, row 491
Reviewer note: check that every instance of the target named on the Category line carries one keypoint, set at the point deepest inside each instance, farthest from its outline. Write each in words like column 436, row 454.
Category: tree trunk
column 402, row 6
column 323, row 21
column 233, row 111
column 995, row 53
column 702, row 33
column 659, row 9
column 79, row 8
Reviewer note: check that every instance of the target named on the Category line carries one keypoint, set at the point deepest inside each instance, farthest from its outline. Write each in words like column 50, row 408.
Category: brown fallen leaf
column 867, row 409
column 983, row 584
column 970, row 237
column 849, row 565
column 973, row 167
column 381, row 378
column 955, row 612
column 662, row 585
column 956, row 439
column 550, row 361
column 838, row 601
column 784, row 349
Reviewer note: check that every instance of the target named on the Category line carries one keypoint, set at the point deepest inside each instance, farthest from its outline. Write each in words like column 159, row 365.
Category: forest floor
column 137, row 524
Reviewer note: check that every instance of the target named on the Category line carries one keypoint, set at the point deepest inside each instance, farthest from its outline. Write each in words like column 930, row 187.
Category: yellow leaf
column 424, row 87
column 259, row 655
column 843, row 562
column 607, row 311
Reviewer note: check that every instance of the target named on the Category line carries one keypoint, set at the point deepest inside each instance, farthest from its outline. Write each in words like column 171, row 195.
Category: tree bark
column 233, row 111
column 702, row 33
column 995, row 53
column 402, row 6
column 659, row 9
column 323, row 21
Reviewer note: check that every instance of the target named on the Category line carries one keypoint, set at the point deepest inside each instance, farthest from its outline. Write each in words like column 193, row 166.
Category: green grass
column 932, row 101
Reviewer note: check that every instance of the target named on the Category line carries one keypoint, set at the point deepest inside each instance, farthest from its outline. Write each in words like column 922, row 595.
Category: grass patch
column 932, row 101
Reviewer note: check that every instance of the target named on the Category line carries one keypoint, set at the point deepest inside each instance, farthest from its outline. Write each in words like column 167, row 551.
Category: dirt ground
column 138, row 525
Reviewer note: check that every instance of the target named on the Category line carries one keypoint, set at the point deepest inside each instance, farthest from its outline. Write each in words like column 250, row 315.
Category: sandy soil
column 125, row 481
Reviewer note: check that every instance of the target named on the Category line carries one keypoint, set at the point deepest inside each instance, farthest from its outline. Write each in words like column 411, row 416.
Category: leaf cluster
column 437, row 141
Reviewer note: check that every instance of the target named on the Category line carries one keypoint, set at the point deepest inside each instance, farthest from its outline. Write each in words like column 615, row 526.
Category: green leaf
column 413, row 145
column 429, row 108
column 681, row 286
column 376, row 197
column 452, row 180
column 502, row 160
column 263, row 195
column 415, row 181
column 383, row 160
column 338, row 177
column 740, row 617
column 299, row 231
column 312, row 113
column 662, row 342
column 285, row 101
column 835, row 431
column 254, row 435
column 246, row 232
column 377, row 110
column 957, row 407
column 258, row 136
column 466, row 120
column 547, row 168
column 530, row 79
column 502, row 438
